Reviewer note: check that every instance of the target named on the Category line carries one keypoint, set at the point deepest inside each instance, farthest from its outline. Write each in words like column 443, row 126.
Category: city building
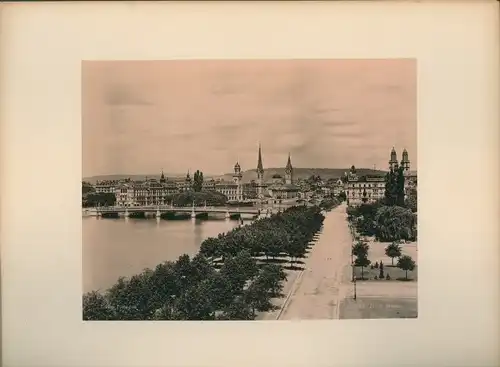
column 233, row 190
column 185, row 184
column 338, row 187
column 370, row 188
column 284, row 188
column 250, row 190
column 364, row 189
column 106, row 186
column 208, row 185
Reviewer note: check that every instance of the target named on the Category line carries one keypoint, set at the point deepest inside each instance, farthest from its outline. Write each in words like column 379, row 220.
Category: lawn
column 378, row 308
column 394, row 273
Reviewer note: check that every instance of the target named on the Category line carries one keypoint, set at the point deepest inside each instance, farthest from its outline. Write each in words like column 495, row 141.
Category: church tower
column 405, row 162
column 162, row 178
column 188, row 183
column 393, row 163
column 289, row 171
column 260, row 174
column 237, row 176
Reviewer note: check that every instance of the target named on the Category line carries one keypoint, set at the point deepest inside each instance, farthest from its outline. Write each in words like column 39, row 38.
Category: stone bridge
column 193, row 210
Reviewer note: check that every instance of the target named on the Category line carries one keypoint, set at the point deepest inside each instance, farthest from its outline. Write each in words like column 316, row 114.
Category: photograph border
column 456, row 45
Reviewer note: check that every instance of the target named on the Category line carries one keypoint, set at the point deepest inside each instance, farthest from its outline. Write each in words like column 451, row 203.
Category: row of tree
column 330, row 203
column 199, row 198
column 190, row 289
column 284, row 234
column 395, row 187
column 198, row 181
column 93, row 199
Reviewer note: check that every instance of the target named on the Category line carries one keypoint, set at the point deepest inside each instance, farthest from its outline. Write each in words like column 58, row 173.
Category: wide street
column 325, row 281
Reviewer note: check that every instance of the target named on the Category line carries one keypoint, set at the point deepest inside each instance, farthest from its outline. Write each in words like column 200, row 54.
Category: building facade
column 370, row 188
column 282, row 188
column 364, row 189
column 106, row 186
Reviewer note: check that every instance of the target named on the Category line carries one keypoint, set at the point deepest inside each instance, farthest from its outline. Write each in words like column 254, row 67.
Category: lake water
column 124, row 247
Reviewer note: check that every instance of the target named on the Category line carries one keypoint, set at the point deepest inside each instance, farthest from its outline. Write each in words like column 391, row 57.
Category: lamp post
column 354, row 276
column 352, row 262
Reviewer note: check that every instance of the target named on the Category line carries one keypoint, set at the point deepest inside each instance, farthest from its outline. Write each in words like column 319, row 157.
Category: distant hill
column 298, row 173
column 302, row 173
column 94, row 179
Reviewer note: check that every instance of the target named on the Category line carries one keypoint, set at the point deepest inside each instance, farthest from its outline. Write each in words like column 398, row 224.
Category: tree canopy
column 198, row 181
column 393, row 250
column 406, row 263
column 93, row 199
column 211, row 198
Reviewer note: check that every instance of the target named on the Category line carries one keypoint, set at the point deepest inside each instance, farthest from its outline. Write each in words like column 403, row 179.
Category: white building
column 370, row 188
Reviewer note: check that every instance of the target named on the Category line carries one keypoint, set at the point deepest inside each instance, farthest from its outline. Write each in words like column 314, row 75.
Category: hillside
column 303, row 173
column 298, row 173
column 94, row 179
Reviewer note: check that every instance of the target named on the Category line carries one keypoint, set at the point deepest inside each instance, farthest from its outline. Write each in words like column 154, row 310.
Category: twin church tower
column 405, row 162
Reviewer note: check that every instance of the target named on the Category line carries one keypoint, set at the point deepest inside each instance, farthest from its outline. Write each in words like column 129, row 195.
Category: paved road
column 326, row 278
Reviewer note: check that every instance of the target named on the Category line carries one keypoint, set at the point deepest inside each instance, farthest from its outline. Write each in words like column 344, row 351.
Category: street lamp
column 354, row 280
column 352, row 262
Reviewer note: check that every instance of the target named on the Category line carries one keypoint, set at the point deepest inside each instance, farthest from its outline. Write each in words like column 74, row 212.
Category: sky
column 139, row 117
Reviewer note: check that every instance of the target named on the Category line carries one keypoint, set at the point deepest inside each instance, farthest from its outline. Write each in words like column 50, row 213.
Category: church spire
column 289, row 171
column 393, row 163
column 260, row 167
column 289, row 164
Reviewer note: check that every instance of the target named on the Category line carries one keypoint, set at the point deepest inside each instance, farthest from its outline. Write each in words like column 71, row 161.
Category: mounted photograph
column 249, row 189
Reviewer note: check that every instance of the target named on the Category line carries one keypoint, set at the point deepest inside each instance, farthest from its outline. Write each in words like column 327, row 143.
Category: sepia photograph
column 249, row 189
column 287, row 178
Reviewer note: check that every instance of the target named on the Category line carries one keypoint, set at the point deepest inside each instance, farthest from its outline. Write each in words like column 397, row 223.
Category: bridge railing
column 168, row 207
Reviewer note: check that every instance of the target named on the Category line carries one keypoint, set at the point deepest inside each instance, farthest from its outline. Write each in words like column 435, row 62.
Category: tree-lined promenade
column 228, row 280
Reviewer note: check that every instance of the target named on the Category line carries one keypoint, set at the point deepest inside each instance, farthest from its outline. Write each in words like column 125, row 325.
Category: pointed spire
column 394, row 157
column 405, row 155
column 289, row 167
column 260, row 166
